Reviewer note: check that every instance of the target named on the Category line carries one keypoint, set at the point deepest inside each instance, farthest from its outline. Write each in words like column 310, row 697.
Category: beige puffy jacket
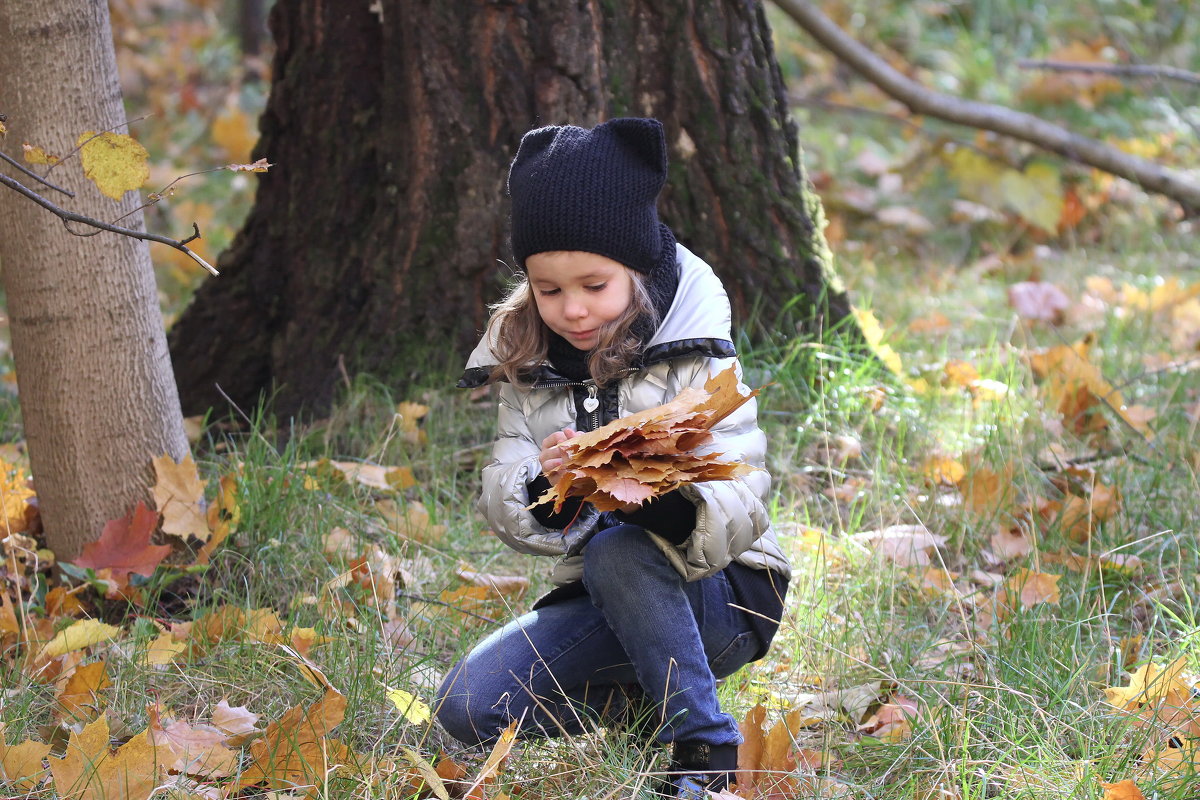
column 691, row 344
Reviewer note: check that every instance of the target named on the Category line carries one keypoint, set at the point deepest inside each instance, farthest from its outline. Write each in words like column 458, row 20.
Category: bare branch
column 1025, row 127
column 70, row 216
column 30, row 173
column 1156, row 71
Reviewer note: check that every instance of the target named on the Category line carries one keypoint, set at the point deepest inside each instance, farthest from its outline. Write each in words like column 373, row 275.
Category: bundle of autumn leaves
column 651, row 452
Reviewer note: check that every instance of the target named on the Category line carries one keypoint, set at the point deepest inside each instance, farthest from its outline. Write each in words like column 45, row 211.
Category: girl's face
column 578, row 292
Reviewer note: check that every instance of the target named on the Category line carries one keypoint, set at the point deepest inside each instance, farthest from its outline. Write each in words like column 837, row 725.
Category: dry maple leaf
column 78, row 697
column 295, row 751
column 197, row 749
column 649, row 453
column 906, row 545
column 1150, row 683
column 1031, row 588
column 1122, row 790
column 179, row 495
column 124, row 547
column 21, row 764
column 89, row 771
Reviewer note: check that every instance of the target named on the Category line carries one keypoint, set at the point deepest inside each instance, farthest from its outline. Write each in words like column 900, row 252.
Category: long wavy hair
column 520, row 339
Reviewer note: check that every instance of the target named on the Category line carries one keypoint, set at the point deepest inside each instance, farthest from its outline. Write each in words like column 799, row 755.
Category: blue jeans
column 561, row 668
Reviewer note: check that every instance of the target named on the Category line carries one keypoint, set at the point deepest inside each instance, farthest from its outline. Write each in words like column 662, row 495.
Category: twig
column 71, row 216
column 12, row 161
column 1125, row 70
column 1025, row 127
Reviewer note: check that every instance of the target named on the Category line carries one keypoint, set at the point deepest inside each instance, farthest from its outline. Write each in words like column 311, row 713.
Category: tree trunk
column 97, row 396
column 380, row 228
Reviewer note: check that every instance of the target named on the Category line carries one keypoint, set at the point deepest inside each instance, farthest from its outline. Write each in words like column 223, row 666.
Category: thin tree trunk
column 381, row 228
column 97, row 396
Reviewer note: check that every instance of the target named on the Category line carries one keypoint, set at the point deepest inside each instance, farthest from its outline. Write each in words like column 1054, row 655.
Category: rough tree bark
column 97, row 396
column 392, row 130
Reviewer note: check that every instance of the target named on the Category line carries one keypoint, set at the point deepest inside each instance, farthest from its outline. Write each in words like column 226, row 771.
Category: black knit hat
column 592, row 190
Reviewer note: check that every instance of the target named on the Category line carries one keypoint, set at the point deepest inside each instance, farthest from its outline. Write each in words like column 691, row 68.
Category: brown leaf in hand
column 649, row 453
column 124, row 546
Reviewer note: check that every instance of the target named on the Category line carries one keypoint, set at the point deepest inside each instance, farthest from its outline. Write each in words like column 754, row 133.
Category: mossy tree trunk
column 382, row 225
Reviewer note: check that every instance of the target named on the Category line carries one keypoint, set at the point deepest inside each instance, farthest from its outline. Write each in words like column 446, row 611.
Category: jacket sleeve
column 505, row 495
column 730, row 515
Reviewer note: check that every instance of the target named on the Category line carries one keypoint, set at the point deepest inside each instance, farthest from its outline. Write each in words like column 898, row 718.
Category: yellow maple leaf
column 1032, row 588
column 79, row 697
column 179, row 496
column 77, row 636
column 21, row 764
column 115, row 162
column 1150, row 683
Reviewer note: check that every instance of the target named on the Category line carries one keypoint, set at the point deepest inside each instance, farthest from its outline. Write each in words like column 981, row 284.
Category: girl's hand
column 551, row 456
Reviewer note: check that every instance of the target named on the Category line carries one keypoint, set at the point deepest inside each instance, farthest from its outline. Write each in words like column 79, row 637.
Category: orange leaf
column 1032, row 587
column 294, row 751
column 78, row 697
column 124, row 546
column 1122, row 790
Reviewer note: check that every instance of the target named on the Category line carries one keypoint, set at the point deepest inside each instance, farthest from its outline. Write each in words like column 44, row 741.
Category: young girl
column 654, row 603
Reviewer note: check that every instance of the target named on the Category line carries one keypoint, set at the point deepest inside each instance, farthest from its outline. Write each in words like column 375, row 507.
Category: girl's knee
column 468, row 712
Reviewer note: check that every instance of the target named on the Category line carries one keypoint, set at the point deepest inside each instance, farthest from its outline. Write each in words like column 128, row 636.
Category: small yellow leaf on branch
column 36, row 155
column 115, row 162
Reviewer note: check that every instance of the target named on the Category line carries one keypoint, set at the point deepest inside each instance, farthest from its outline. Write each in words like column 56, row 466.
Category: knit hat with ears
column 592, row 190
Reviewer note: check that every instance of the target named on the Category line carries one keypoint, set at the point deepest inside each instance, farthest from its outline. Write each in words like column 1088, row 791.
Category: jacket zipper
column 593, row 414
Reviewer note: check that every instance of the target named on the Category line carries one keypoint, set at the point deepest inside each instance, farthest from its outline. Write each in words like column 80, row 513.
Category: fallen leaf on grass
column 906, row 545
column 1150, row 683
column 88, row 770
column 1122, row 790
column 79, row 693
column 237, row 722
column 21, row 764
column 512, row 586
column 124, row 547
column 197, row 750
column 892, row 722
column 76, row 636
column 411, row 707
column 373, row 476
column 295, row 751
column 1038, row 300
column 1010, row 542
column 495, row 760
column 411, row 522
column 179, row 496
column 1031, row 588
